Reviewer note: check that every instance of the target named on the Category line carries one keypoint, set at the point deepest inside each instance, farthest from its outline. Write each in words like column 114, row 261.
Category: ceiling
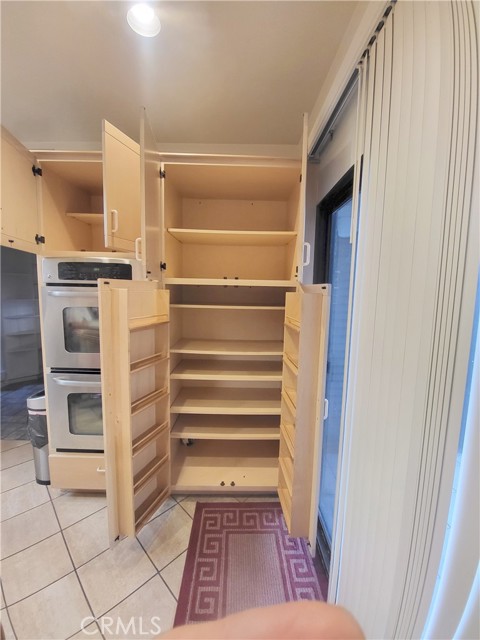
column 225, row 73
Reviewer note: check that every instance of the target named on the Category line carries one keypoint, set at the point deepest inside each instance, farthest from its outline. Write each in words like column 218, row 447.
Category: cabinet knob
column 222, row 483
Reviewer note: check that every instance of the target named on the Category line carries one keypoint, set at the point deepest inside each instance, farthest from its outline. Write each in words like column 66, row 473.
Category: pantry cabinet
column 222, row 361
column 71, row 201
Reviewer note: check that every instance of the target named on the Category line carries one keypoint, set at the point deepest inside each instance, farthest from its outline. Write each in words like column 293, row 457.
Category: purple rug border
column 187, row 578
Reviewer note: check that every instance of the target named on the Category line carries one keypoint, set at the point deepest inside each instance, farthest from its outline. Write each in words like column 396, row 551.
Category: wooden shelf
column 144, row 439
column 232, row 238
column 148, row 400
column 288, row 431
column 291, row 395
column 147, row 472
column 228, row 347
column 291, row 323
column 231, row 401
column 231, row 282
column 288, row 443
column 136, row 324
column 226, row 307
column 89, row 218
column 209, row 463
column 144, row 363
column 256, row 371
column 286, row 467
column 291, row 364
column 228, row 427
column 289, row 403
column 148, row 508
column 286, row 503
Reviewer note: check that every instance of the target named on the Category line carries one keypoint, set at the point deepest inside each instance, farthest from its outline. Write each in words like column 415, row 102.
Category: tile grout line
column 73, row 564
column 20, row 485
column 30, row 545
column 41, row 589
column 8, row 612
column 126, row 597
column 156, row 569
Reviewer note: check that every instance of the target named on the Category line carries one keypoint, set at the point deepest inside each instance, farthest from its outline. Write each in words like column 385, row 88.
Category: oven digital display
column 94, row 270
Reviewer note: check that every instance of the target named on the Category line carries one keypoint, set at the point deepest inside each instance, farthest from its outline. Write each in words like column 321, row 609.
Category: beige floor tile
column 17, row 455
column 149, row 611
column 7, row 627
column 168, row 504
column 72, row 507
column 5, row 445
column 56, row 493
column 54, row 612
column 22, row 499
column 173, row 574
column 115, row 574
column 88, row 538
column 17, row 475
column 167, row 536
column 90, row 631
column 28, row 528
column 34, row 568
column 190, row 502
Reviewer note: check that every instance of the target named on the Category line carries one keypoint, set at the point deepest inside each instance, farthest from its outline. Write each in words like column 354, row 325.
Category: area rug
column 241, row 556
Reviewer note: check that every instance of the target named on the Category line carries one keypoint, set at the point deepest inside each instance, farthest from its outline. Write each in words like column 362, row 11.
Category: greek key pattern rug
column 241, row 556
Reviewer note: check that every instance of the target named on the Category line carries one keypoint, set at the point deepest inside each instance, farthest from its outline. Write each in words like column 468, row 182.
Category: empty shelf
column 232, row 282
column 229, row 347
column 228, row 370
column 226, row 237
column 230, row 466
column 149, row 361
column 227, row 307
column 232, row 401
column 228, row 427
column 136, row 324
column 90, row 218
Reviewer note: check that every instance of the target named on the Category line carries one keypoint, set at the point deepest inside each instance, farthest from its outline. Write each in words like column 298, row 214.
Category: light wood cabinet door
column 304, row 248
column 302, row 407
column 151, row 179
column 134, row 347
column 20, row 196
column 121, row 189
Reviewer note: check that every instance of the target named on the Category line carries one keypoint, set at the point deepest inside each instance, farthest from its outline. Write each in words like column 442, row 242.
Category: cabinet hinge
column 39, row 239
column 163, row 266
column 163, row 173
column 300, row 177
column 36, row 171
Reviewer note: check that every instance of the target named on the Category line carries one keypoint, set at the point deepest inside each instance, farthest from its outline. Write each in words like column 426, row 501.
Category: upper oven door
column 70, row 325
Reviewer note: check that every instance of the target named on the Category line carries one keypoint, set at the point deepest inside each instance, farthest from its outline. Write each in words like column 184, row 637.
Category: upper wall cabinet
column 121, row 189
column 21, row 223
column 73, row 201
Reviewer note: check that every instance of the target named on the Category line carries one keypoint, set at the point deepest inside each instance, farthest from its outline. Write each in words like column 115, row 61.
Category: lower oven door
column 71, row 327
column 75, row 411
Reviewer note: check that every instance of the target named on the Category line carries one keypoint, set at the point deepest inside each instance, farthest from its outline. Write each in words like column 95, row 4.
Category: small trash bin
column 37, row 431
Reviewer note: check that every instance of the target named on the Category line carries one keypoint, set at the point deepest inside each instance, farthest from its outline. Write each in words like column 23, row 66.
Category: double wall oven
column 72, row 346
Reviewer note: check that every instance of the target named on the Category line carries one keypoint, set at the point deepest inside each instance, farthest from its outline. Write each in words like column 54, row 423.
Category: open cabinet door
column 121, row 188
column 20, row 196
column 302, row 410
column 304, row 249
column 151, row 242
column 134, row 348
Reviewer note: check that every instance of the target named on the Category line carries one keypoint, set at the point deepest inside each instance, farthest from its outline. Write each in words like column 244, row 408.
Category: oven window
column 80, row 329
column 85, row 414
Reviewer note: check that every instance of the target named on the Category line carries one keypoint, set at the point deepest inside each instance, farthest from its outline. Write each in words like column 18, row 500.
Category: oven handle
column 73, row 294
column 77, row 383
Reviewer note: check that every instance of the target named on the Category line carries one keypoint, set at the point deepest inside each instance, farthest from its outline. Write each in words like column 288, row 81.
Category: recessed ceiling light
column 143, row 20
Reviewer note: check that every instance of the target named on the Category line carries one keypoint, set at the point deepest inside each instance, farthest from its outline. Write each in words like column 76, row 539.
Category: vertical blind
column 416, row 135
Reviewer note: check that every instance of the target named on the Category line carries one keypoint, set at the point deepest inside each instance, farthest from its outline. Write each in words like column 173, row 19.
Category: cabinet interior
column 230, row 248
